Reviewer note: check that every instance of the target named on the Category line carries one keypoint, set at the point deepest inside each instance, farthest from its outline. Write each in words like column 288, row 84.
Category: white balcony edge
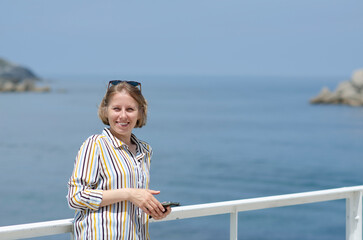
column 353, row 196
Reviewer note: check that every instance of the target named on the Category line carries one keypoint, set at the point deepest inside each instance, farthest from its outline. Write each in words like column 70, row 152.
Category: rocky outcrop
column 15, row 78
column 348, row 92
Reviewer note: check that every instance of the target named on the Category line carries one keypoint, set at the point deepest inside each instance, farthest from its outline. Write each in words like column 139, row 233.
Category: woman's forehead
column 122, row 98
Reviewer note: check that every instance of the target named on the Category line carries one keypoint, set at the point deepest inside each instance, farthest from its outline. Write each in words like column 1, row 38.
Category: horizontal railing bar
column 200, row 210
column 208, row 209
column 38, row 229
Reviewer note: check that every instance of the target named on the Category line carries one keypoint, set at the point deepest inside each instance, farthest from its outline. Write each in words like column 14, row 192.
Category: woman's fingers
column 165, row 214
column 156, row 208
column 155, row 205
column 144, row 198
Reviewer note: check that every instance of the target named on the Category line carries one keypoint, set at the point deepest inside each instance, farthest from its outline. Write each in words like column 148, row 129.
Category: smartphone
column 170, row 204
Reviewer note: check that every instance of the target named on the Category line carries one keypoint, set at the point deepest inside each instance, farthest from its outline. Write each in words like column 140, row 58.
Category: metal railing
column 353, row 196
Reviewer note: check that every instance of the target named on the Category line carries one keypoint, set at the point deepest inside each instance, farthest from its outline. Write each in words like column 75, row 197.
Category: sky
column 201, row 37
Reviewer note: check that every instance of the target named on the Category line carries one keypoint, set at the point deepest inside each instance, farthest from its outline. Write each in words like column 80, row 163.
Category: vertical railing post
column 354, row 216
column 72, row 233
column 233, row 229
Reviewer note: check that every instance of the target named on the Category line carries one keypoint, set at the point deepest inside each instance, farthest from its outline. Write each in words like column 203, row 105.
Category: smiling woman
column 131, row 90
column 109, row 185
column 123, row 108
column 122, row 114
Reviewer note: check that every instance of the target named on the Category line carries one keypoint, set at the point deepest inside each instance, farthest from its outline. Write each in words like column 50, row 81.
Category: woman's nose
column 123, row 114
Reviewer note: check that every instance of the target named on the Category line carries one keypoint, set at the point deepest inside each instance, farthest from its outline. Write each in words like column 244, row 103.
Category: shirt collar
column 116, row 143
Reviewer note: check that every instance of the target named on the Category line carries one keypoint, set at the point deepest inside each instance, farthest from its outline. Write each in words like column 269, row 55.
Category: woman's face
column 122, row 113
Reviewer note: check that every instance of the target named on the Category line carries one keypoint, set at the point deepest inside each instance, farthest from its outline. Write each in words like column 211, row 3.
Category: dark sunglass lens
column 115, row 82
column 135, row 84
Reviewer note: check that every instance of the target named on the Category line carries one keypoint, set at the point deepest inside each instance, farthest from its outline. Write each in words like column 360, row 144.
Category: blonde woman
column 109, row 187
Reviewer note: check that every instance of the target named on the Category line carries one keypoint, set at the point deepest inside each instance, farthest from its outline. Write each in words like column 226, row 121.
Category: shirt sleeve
column 82, row 192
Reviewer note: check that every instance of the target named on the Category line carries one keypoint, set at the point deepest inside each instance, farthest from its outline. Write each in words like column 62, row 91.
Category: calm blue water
column 214, row 139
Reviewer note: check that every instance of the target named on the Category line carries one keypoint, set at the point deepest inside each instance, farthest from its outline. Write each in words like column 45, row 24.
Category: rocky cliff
column 348, row 92
column 16, row 78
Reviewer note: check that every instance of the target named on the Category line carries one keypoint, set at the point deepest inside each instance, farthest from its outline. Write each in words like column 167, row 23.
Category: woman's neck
column 124, row 139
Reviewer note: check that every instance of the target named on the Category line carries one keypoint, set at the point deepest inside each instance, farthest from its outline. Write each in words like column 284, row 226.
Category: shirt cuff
column 94, row 198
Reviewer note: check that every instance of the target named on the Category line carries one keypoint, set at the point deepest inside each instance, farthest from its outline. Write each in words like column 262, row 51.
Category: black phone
column 170, row 204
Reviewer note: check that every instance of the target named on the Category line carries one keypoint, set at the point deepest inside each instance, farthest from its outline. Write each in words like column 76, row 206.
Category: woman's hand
column 144, row 199
column 165, row 213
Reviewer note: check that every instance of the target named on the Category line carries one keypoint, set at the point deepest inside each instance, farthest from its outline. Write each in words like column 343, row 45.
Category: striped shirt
column 103, row 163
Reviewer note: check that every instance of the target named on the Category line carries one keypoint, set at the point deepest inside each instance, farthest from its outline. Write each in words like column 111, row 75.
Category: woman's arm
column 81, row 194
column 143, row 198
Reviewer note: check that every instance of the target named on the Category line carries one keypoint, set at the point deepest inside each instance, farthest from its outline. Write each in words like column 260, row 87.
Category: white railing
column 353, row 196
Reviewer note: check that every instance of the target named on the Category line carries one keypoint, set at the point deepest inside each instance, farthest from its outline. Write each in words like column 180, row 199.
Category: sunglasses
column 115, row 82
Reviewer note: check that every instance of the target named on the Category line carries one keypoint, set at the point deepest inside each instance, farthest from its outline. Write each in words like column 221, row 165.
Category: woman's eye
column 116, row 109
column 130, row 109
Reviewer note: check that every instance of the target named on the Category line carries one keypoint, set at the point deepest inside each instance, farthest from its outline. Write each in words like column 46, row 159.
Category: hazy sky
column 243, row 37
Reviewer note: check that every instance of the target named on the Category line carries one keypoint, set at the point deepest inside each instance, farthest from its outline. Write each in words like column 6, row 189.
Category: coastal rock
column 325, row 95
column 348, row 92
column 357, row 78
column 16, row 78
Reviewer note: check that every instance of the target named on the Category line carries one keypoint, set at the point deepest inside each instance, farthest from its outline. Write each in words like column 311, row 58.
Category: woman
column 109, row 185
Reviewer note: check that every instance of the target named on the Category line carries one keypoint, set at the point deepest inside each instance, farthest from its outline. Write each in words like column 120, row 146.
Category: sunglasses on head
column 132, row 83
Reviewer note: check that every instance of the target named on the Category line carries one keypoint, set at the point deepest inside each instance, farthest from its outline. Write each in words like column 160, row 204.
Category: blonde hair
column 134, row 92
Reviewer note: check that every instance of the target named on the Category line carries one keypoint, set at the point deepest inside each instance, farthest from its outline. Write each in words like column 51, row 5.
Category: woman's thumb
column 154, row 192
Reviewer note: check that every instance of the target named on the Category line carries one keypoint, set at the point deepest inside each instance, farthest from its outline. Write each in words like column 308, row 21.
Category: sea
column 215, row 138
